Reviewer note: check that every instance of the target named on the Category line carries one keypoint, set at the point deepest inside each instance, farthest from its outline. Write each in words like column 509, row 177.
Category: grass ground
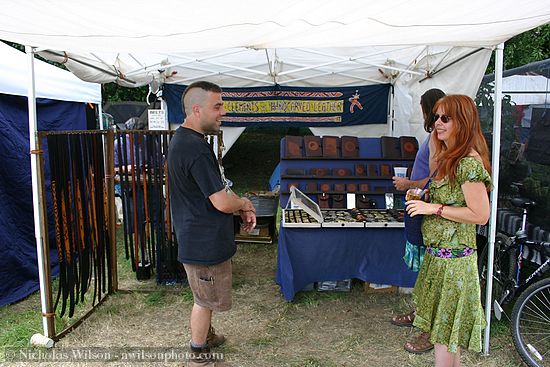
column 316, row 329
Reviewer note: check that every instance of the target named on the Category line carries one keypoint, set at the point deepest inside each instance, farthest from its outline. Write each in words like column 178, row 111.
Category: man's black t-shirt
column 205, row 235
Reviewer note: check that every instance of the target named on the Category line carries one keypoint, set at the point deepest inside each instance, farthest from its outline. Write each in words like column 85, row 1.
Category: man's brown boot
column 201, row 357
column 214, row 340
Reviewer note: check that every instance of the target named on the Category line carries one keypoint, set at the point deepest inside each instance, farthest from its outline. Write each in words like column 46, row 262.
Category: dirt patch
column 317, row 329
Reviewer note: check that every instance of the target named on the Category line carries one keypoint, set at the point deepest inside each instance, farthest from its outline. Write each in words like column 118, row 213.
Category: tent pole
column 39, row 200
column 497, row 114
column 391, row 112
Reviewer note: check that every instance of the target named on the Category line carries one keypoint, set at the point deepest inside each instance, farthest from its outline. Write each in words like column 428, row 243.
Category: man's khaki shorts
column 211, row 285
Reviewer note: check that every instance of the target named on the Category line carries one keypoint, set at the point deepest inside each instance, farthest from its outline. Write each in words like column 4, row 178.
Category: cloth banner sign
column 294, row 106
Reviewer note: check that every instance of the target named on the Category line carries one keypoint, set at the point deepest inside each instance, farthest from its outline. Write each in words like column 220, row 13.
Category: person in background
column 414, row 245
column 202, row 212
column 447, row 292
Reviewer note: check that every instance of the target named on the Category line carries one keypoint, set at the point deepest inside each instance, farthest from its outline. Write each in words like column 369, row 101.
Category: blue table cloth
column 307, row 255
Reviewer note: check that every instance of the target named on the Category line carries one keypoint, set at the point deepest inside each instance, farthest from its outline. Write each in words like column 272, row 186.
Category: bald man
column 202, row 211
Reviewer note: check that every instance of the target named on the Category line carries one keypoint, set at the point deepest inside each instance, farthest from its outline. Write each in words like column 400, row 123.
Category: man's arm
column 228, row 202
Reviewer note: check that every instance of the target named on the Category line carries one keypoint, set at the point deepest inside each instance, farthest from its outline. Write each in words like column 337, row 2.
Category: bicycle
column 531, row 313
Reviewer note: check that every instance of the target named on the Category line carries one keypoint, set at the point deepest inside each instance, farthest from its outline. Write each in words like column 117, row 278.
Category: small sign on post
column 158, row 120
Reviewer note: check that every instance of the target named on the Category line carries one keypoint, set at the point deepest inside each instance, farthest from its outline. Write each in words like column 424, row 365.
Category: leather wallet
column 372, row 170
column 325, row 187
column 338, row 201
column 339, row 187
column 323, row 200
column 312, row 146
column 385, row 170
column 364, row 187
column 319, row 172
column 311, row 187
column 351, row 187
column 409, row 147
column 363, row 202
column 391, row 148
column 360, row 170
column 293, row 146
column 341, row 172
column 331, row 146
column 350, row 146
column 295, row 171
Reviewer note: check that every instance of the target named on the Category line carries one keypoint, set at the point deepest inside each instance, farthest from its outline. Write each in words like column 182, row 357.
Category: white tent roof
column 168, row 26
column 515, row 84
column 287, row 42
column 51, row 82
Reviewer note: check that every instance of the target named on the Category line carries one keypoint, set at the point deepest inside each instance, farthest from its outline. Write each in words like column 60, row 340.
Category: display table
column 307, row 255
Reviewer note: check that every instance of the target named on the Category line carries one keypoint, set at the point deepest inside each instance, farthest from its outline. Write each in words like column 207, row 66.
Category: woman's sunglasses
column 443, row 118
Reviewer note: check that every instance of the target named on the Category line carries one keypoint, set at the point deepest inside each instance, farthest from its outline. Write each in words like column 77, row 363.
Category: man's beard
column 211, row 128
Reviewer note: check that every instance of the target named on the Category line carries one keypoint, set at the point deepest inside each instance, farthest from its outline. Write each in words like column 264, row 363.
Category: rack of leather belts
column 82, row 195
column 82, row 188
column 148, row 236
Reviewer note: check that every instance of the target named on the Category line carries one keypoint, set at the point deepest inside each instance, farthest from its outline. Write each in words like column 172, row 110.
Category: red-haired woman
column 447, row 293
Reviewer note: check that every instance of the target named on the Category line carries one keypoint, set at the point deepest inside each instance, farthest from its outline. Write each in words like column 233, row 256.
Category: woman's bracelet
column 439, row 211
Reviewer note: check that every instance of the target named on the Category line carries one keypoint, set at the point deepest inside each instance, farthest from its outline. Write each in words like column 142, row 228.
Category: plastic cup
column 40, row 340
column 400, row 171
column 414, row 194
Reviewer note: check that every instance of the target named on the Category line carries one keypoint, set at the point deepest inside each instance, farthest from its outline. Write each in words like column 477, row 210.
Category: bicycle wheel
column 504, row 267
column 531, row 324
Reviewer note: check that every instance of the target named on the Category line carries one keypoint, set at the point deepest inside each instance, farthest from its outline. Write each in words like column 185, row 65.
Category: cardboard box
column 379, row 288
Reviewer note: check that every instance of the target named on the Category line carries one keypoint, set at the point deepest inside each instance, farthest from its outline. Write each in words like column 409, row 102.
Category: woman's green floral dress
column 447, row 293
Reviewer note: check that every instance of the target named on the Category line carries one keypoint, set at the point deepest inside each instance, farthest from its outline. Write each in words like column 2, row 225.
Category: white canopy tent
column 51, row 82
column 252, row 43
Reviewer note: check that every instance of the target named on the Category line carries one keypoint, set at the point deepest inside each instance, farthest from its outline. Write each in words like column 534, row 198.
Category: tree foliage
column 525, row 48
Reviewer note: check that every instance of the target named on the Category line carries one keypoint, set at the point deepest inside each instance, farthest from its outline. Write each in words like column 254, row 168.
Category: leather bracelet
column 440, row 210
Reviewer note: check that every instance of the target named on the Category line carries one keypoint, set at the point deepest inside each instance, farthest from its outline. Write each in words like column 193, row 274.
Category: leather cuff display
column 350, row 146
column 312, row 146
column 331, row 146
column 293, row 146
column 408, row 146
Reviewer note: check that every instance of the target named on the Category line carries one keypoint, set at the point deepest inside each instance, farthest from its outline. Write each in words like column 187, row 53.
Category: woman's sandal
column 404, row 320
column 420, row 344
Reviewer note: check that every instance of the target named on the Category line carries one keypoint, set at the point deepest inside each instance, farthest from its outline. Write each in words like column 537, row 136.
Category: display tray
column 308, row 214
column 298, row 218
column 342, row 218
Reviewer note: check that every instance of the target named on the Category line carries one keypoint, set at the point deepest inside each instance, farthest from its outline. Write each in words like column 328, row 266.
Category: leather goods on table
column 363, row 202
column 323, row 200
column 408, row 146
column 319, row 172
column 385, row 170
column 350, row 146
column 338, row 201
column 311, row 187
column 351, row 187
column 295, row 171
column 331, row 146
column 312, row 146
column 372, row 170
column 325, row 187
column 391, row 147
column 341, row 172
column 293, row 146
column 339, row 187
column 364, row 187
column 360, row 170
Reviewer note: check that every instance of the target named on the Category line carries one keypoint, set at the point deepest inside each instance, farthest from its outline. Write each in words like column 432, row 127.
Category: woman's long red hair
column 466, row 136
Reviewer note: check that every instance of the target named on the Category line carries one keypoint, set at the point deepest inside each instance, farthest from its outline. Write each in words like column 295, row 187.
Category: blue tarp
column 18, row 262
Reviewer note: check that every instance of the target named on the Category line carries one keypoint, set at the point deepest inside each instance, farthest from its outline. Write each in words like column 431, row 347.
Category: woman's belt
column 448, row 253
